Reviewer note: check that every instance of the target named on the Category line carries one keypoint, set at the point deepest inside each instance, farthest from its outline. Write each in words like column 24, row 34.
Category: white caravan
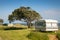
column 46, row 25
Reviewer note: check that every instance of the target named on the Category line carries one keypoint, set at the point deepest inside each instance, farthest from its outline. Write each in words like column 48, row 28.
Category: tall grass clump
column 58, row 36
column 37, row 36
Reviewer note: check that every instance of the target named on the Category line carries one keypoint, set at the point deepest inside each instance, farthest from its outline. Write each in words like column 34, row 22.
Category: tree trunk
column 29, row 24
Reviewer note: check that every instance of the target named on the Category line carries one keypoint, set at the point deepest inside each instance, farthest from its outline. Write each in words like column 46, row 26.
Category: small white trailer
column 46, row 25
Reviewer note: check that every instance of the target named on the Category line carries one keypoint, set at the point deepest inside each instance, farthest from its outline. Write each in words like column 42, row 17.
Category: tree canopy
column 25, row 13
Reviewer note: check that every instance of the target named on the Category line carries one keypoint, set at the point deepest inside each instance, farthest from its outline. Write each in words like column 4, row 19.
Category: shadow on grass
column 42, row 31
column 46, row 31
column 13, row 28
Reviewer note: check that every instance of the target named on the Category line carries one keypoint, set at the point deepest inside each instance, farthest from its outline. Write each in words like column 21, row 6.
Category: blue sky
column 48, row 9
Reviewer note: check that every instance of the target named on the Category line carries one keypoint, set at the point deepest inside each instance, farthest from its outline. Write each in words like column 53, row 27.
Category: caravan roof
column 49, row 20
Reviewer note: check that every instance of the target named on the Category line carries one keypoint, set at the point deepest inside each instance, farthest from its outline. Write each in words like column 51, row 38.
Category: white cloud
column 52, row 11
column 51, row 14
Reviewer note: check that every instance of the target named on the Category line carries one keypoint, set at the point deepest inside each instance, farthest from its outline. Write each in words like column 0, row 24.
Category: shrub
column 5, row 24
column 58, row 36
column 37, row 36
column 12, row 28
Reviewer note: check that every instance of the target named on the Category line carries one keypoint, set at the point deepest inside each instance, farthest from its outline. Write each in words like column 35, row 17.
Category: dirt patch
column 52, row 37
column 0, row 38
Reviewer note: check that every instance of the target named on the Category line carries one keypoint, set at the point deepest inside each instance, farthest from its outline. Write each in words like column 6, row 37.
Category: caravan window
column 39, row 23
column 54, row 24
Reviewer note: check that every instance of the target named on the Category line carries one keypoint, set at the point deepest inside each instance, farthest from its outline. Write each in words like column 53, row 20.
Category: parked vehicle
column 46, row 25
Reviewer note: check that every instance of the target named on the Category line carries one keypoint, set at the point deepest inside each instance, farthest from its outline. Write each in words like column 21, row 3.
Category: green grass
column 14, row 34
column 23, row 34
column 58, row 35
column 38, row 36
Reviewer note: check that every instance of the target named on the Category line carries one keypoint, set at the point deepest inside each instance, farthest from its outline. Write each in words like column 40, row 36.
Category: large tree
column 25, row 13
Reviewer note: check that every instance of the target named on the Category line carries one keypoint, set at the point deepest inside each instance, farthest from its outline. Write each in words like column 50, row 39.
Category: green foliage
column 25, row 13
column 37, row 36
column 58, row 36
column 10, row 18
column 5, row 24
column 2, row 27
column 13, row 28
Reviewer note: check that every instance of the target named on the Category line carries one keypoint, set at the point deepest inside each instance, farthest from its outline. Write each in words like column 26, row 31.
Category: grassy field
column 14, row 34
column 23, row 34
column 26, row 34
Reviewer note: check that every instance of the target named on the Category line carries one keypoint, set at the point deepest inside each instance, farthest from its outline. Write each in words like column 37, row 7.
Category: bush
column 37, row 36
column 5, row 24
column 12, row 28
column 58, row 36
